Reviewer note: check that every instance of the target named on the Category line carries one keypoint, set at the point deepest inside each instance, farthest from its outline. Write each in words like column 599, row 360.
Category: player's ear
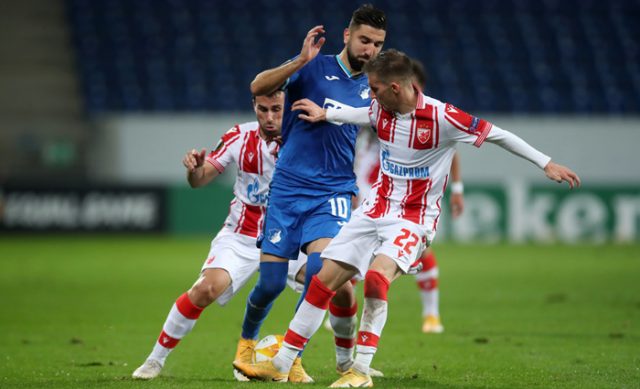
column 345, row 35
column 395, row 87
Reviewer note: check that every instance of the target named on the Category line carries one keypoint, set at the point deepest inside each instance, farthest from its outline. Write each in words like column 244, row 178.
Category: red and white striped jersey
column 416, row 150
column 256, row 161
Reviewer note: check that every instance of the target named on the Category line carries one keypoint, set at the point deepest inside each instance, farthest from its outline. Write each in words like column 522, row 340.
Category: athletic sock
column 271, row 282
column 374, row 317
column 427, row 281
column 180, row 321
column 305, row 323
column 343, row 321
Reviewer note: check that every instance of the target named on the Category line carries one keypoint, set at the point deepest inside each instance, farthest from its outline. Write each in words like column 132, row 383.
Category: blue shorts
column 293, row 220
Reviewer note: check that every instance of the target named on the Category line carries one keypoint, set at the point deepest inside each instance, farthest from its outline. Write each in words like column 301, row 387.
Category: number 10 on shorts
column 339, row 207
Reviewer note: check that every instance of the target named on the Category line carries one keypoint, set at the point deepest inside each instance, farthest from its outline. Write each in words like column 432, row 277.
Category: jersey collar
column 343, row 66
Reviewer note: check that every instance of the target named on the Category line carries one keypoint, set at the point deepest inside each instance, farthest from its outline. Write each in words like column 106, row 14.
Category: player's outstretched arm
column 519, row 147
column 560, row 173
column 272, row 79
column 313, row 113
column 198, row 173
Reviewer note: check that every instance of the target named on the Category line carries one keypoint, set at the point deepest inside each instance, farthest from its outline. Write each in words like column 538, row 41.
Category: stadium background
column 99, row 101
column 113, row 93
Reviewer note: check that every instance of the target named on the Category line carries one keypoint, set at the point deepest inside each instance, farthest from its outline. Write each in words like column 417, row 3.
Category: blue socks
column 271, row 282
column 314, row 264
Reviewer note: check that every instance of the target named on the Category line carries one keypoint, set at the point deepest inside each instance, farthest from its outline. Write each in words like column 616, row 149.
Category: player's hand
column 313, row 112
column 456, row 203
column 194, row 159
column 312, row 44
column 415, row 267
column 560, row 173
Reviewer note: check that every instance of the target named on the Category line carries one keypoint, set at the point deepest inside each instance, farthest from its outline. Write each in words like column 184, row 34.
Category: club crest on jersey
column 250, row 155
column 275, row 235
column 424, row 134
column 364, row 92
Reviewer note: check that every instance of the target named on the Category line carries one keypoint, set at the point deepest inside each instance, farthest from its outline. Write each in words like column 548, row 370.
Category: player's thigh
column 386, row 266
column 402, row 241
column 237, row 255
column 325, row 220
column 282, row 231
column 354, row 244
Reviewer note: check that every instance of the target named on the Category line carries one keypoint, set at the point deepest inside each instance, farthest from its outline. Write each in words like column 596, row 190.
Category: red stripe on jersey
column 483, row 134
column 241, row 217
column 435, row 221
column 374, row 173
column 435, row 115
column 294, row 339
column 414, row 203
column 249, row 223
column 394, row 121
column 216, row 165
column 383, row 125
column 411, row 129
column 227, row 140
column 249, row 153
column 384, row 188
column 259, row 152
column 425, row 129
column 187, row 308
column 467, row 123
column 167, row 341
column 345, row 342
column 368, row 339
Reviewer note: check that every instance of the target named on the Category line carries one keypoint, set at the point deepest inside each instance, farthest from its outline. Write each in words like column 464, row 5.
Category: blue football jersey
column 318, row 157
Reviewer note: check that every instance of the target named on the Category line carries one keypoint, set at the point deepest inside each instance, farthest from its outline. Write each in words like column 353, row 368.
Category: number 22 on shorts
column 406, row 240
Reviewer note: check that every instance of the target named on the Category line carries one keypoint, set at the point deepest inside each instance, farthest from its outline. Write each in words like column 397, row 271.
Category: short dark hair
column 368, row 15
column 419, row 73
column 272, row 94
column 391, row 65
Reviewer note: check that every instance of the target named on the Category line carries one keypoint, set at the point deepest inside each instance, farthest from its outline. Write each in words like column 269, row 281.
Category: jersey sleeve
column 348, row 114
column 224, row 152
column 463, row 127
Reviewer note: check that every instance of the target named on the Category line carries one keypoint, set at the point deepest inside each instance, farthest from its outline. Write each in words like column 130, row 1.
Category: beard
column 355, row 63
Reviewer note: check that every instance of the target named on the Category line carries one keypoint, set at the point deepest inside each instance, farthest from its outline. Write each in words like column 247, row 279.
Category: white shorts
column 238, row 255
column 363, row 238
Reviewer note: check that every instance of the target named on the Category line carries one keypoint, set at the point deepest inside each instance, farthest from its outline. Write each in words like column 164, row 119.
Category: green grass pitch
column 84, row 312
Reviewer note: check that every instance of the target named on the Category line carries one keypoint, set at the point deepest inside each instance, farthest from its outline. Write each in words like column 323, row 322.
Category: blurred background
column 100, row 99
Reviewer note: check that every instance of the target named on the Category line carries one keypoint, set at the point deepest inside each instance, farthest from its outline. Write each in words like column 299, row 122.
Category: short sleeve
column 223, row 154
column 463, row 127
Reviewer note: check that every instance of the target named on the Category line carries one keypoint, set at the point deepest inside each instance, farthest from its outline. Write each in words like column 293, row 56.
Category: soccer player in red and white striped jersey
column 417, row 137
column 233, row 257
column 367, row 169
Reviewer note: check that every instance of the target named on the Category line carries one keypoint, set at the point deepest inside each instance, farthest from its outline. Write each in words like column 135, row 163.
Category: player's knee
column 205, row 292
column 376, row 285
column 272, row 287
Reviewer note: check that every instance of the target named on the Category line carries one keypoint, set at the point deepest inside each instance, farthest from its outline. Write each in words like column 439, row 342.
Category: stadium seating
column 520, row 56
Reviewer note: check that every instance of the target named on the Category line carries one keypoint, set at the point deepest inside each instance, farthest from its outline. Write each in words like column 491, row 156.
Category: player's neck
column 344, row 62
column 409, row 101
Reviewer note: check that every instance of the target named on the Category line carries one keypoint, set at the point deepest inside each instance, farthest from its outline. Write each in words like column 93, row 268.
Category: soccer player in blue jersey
column 310, row 194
